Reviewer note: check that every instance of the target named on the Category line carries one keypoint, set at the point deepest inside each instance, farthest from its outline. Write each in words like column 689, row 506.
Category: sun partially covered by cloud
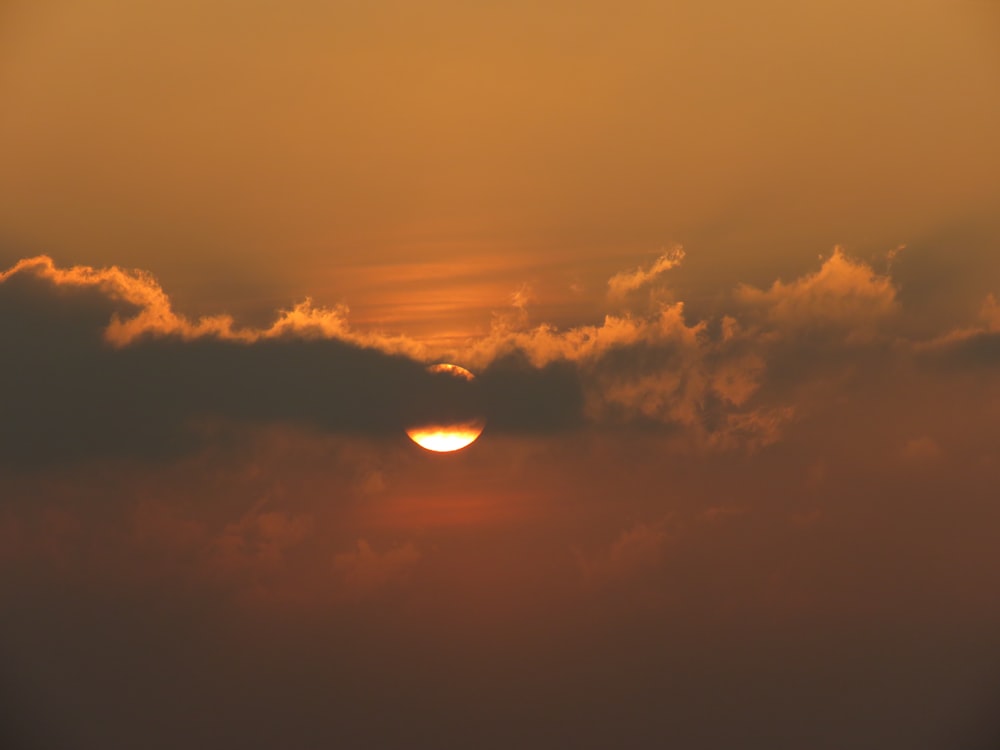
column 733, row 380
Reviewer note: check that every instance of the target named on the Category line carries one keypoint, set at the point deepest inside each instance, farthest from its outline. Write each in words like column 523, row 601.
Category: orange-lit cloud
column 629, row 281
column 981, row 340
column 713, row 379
column 845, row 295
column 149, row 311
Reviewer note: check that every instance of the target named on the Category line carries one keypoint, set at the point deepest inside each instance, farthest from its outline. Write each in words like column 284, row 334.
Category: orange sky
column 251, row 154
column 728, row 278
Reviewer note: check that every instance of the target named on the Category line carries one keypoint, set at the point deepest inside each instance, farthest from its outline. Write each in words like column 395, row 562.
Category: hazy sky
column 478, row 147
column 728, row 276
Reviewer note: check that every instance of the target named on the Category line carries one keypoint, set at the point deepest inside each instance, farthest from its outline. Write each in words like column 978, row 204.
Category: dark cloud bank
column 97, row 363
column 67, row 393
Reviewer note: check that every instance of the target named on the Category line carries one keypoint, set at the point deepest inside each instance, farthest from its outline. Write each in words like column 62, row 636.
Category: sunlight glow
column 446, row 438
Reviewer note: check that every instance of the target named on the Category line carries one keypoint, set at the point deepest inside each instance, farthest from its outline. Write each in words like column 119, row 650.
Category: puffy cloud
column 844, row 296
column 145, row 311
column 545, row 344
column 654, row 369
column 137, row 290
column 706, row 376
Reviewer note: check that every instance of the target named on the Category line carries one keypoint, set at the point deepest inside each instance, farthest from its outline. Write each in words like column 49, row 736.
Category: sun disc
column 446, row 438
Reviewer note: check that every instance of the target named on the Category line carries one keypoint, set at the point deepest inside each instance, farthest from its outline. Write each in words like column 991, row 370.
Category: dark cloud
column 68, row 393
column 98, row 363
column 70, row 390
column 524, row 398
column 968, row 349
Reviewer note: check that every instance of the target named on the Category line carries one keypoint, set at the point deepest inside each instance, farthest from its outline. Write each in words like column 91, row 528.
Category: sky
column 728, row 278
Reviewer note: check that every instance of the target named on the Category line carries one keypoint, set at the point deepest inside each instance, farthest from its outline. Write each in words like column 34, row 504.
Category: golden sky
column 254, row 153
column 727, row 276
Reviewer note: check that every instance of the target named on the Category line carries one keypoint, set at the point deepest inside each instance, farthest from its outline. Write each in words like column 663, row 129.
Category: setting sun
column 446, row 438
column 451, row 434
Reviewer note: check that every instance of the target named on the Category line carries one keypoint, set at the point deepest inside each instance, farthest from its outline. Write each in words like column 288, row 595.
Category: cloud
column 107, row 367
column 845, row 297
column 97, row 363
column 546, row 344
column 977, row 344
column 728, row 383
column 143, row 310
column 625, row 282
column 103, row 365
column 654, row 369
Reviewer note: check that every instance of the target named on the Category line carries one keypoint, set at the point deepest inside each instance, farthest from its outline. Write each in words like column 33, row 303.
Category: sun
column 446, row 437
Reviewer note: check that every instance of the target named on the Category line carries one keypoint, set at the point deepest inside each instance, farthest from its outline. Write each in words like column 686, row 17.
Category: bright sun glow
column 446, row 438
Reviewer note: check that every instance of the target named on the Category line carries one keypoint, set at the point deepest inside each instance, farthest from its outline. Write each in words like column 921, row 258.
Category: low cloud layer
column 99, row 363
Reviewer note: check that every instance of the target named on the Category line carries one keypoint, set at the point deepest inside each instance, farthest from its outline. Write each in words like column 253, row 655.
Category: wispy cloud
column 629, row 281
